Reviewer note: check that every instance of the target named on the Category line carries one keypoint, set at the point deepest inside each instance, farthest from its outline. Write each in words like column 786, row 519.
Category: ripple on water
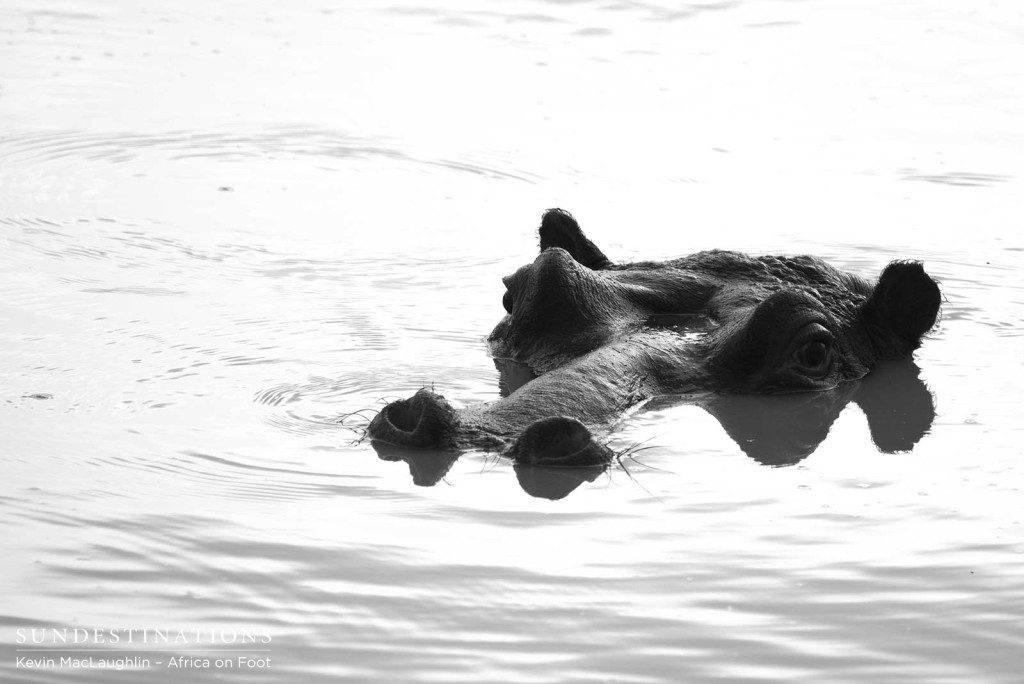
column 34, row 147
column 955, row 178
column 300, row 407
column 237, row 477
column 33, row 157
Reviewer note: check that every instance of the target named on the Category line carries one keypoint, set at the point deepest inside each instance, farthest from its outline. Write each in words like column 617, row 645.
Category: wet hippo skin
column 584, row 340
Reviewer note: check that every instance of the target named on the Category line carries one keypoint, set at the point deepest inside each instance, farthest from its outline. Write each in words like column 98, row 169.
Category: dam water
column 230, row 232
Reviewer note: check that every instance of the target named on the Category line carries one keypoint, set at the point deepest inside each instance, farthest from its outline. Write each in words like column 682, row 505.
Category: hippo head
column 598, row 338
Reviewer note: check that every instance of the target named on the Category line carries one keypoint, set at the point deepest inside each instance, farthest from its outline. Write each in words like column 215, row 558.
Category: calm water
column 229, row 232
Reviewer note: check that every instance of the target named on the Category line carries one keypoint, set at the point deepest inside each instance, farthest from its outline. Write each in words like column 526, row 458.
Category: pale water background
column 225, row 225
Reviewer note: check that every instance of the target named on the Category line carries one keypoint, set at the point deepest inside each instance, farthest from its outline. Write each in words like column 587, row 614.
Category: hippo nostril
column 402, row 416
column 558, row 441
column 424, row 420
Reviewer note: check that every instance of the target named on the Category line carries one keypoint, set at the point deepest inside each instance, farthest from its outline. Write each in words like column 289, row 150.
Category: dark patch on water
column 957, row 178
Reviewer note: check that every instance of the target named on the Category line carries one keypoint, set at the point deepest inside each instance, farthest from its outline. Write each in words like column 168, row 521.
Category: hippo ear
column 902, row 308
column 558, row 228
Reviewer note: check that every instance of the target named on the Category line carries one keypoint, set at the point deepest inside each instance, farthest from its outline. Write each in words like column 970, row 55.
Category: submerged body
column 602, row 338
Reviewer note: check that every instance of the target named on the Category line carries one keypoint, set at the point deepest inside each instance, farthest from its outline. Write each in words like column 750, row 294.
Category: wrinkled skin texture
column 584, row 340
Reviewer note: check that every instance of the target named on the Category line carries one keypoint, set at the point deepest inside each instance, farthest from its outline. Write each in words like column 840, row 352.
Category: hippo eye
column 812, row 355
column 813, row 352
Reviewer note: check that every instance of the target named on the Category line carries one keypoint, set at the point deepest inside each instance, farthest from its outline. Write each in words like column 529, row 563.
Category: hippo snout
column 425, row 420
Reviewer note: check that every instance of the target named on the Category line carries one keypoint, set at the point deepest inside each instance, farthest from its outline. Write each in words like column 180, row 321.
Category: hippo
column 585, row 341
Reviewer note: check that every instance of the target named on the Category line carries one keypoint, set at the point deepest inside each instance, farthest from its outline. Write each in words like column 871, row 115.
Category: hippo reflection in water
column 585, row 339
